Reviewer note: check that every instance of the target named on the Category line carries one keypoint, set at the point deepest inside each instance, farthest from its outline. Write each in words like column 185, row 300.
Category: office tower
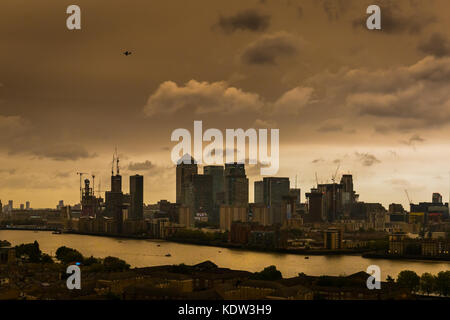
column 115, row 200
column 332, row 200
column 186, row 167
column 236, row 184
column 259, row 192
column 217, row 174
column 198, row 194
column 315, row 206
column 137, row 197
column 348, row 197
column 437, row 198
column 27, row 205
column 22, row 206
column 274, row 189
column 217, row 179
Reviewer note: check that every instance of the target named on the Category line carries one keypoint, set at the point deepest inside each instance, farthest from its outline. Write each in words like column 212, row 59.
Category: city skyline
column 100, row 189
column 374, row 102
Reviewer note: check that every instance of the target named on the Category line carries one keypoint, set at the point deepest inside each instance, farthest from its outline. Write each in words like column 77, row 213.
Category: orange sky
column 376, row 103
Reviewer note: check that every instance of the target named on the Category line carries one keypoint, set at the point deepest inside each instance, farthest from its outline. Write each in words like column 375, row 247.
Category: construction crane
column 81, row 189
column 407, row 195
column 333, row 178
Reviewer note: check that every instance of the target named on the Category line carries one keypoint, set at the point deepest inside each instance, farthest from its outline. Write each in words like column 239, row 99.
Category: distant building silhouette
column 186, row 167
column 236, row 184
column 137, row 197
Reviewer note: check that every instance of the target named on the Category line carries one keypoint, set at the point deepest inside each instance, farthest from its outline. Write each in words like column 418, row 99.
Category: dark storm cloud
column 250, row 20
column 335, row 8
column 367, row 159
column 300, row 12
column 141, row 166
column 417, row 94
column 268, row 48
column 330, row 128
column 437, row 45
column 63, row 152
column 19, row 136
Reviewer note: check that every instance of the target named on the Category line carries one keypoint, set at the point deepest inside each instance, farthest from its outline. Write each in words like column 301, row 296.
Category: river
column 144, row 253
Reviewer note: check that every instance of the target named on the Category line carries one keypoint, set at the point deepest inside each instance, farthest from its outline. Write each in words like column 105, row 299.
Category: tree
column 68, row 255
column 443, row 283
column 45, row 258
column 113, row 264
column 427, row 283
column 30, row 250
column 269, row 273
column 90, row 261
column 408, row 279
column 389, row 279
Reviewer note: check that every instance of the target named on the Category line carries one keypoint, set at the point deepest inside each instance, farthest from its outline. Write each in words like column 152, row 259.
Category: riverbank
column 304, row 252
column 372, row 255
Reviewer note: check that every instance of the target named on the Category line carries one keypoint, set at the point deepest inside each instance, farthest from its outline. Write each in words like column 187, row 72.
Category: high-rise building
column 274, row 189
column 315, row 206
column 332, row 200
column 198, row 194
column 217, row 174
column 186, row 167
column 236, row 184
column 217, row 179
column 259, row 192
column 22, row 206
column 348, row 196
column 27, row 205
column 437, row 198
column 137, row 197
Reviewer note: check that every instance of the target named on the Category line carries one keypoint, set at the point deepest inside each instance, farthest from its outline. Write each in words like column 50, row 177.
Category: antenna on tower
column 112, row 165
column 295, row 181
column 117, row 162
column 93, row 184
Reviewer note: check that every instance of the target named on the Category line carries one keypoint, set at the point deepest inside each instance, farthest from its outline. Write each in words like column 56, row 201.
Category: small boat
column 168, row 255
column 158, row 245
column 306, row 257
column 56, row 232
column 220, row 251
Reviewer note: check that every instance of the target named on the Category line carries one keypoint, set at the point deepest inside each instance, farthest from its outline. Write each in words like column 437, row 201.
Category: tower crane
column 81, row 189
column 407, row 195
column 333, row 178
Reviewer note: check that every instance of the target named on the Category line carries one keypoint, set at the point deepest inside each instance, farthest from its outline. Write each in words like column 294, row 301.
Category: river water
column 143, row 253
